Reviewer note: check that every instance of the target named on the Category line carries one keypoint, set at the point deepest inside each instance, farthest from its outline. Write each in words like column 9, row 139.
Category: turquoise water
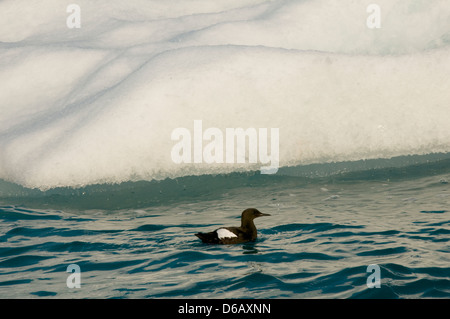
column 137, row 239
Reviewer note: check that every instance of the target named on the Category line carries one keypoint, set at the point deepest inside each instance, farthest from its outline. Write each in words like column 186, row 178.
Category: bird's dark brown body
column 234, row 235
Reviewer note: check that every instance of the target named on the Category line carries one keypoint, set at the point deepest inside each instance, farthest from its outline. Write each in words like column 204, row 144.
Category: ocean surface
column 322, row 235
column 93, row 96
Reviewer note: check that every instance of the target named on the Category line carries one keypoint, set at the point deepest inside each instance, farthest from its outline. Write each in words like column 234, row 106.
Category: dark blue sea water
column 136, row 240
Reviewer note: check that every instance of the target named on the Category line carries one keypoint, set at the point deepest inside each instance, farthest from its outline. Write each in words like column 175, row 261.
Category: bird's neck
column 248, row 226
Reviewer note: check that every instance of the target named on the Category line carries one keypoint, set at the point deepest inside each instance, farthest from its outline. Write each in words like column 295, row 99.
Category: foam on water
column 98, row 104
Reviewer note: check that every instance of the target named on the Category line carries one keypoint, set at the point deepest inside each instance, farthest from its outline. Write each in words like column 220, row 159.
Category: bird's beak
column 262, row 214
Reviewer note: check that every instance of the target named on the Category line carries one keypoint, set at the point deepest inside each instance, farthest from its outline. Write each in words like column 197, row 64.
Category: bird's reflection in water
column 249, row 248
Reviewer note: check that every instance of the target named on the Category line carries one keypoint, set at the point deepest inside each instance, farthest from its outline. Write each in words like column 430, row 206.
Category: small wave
column 22, row 261
column 15, row 282
column 149, row 228
column 433, row 211
column 312, row 228
column 16, row 213
column 383, row 252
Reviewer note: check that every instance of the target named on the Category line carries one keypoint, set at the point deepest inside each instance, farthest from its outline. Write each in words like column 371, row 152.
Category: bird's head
column 252, row 213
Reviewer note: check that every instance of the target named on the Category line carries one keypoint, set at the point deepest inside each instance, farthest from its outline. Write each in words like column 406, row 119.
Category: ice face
column 98, row 104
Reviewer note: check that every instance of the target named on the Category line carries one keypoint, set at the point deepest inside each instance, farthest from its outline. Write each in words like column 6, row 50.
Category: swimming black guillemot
column 234, row 235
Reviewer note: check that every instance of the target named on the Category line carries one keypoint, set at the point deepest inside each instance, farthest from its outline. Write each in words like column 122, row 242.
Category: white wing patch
column 225, row 233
